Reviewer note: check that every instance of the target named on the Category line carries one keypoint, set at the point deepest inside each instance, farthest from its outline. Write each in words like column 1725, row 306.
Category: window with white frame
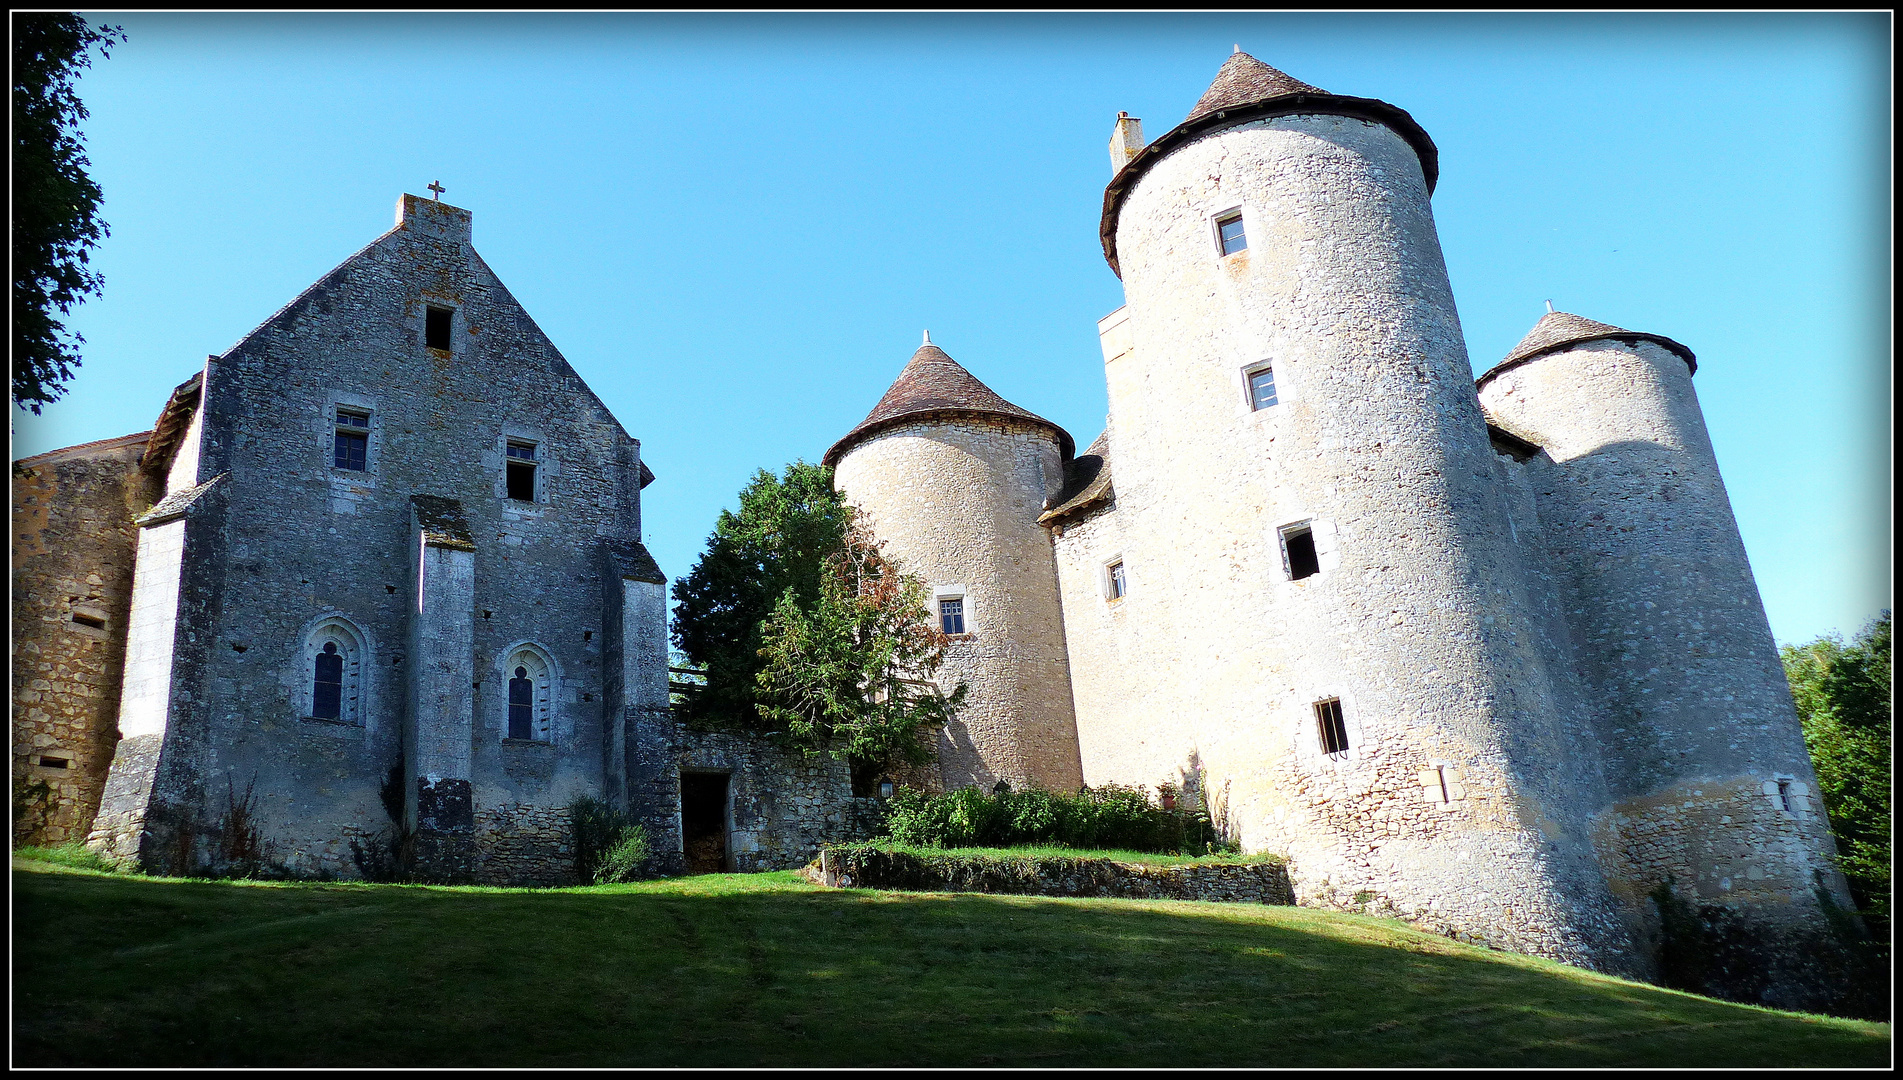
column 951, row 614
column 1229, row 235
column 1116, row 583
column 1261, row 380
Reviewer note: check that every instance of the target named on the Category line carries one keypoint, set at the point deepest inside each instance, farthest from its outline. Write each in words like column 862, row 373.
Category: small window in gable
column 1261, row 387
column 521, row 470
column 951, row 614
column 1229, row 233
column 1298, row 552
column 1332, row 726
column 436, row 323
column 351, row 442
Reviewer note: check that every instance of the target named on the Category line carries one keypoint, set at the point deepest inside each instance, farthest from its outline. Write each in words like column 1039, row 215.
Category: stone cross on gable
column 436, row 189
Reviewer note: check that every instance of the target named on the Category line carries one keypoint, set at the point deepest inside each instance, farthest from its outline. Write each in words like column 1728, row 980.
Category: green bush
column 609, row 844
column 1106, row 817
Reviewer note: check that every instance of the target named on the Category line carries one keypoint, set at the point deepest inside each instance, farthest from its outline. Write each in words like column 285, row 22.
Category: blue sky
column 736, row 226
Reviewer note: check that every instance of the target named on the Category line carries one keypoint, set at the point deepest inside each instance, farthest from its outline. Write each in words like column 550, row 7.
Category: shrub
column 609, row 844
column 75, row 855
column 1106, row 817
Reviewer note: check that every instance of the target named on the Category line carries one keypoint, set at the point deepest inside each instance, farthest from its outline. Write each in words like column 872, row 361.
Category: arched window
column 529, row 679
column 333, row 663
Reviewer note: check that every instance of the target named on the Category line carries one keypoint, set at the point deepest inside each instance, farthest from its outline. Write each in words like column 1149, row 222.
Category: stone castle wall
column 956, row 502
column 1421, row 622
column 1692, row 712
column 72, row 544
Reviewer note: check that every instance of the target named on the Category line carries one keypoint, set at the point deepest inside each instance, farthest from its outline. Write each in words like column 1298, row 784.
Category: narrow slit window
column 1784, row 797
column 1229, row 233
column 951, row 615
column 521, row 466
column 327, row 690
column 351, row 443
column 436, row 322
column 1298, row 552
column 1333, row 727
column 1261, row 388
column 521, row 705
column 55, row 762
column 1118, row 583
column 93, row 621
column 1440, row 774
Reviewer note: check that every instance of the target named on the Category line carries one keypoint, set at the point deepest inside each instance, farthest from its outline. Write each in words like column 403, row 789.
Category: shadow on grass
column 765, row 970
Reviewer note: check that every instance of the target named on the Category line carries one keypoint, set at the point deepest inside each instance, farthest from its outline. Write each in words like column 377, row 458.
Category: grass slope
column 765, row 969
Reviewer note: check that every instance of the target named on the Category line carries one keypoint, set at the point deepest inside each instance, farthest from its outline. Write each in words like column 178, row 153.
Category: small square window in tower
column 436, row 323
column 521, row 471
column 1332, row 726
column 1229, row 233
column 951, row 614
column 1261, row 387
column 1116, row 583
column 1298, row 552
column 350, row 444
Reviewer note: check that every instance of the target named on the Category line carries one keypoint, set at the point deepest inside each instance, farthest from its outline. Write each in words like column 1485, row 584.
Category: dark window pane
column 1302, row 561
column 1262, row 388
column 436, row 328
column 951, row 616
column 351, row 447
column 327, row 696
column 1232, row 238
column 521, row 481
column 1332, row 725
column 521, row 707
column 352, row 419
column 525, row 451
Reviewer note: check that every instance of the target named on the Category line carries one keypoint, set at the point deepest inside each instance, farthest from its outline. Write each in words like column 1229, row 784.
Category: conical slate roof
column 933, row 383
column 1242, row 79
column 1247, row 89
column 1086, row 481
column 1558, row 329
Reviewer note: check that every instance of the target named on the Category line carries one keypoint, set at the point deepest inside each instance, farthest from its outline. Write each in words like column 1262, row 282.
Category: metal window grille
column 1230, row 230
column 1262, row 388
column 327, row 690
column 1333, row 726
column 951, row 615
column 1784, row 797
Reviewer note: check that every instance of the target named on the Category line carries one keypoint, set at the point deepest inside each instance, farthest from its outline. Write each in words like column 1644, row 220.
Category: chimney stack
column 1126, row 141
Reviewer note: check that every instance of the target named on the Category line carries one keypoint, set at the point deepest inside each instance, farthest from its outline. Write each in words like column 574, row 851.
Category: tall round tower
column 1711, row 785
column 952, row 478
column 1336, row 625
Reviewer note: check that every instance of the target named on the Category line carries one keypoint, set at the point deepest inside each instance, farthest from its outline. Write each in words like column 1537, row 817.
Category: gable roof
column 933, row 384
column 1247, row 89
column 1086, row 482
column 1558, row 329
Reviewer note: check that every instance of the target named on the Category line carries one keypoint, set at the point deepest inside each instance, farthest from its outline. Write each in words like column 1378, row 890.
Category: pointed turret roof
column 1558, row 329
column 1242, row 79
column 1086, row 482
column 1247, row 89
column 933, row 384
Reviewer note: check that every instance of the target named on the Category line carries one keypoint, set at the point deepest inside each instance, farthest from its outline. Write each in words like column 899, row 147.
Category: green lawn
column 765, row 969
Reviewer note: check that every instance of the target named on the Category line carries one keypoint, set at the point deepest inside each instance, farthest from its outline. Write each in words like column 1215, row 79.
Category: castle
column 1485, row 656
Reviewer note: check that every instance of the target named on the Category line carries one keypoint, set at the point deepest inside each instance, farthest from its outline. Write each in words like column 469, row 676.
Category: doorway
column 704, row 822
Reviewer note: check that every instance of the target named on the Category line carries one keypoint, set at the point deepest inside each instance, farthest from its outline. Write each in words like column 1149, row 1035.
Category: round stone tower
column 1711, row 785
column 1316, row 541
column 952, row 479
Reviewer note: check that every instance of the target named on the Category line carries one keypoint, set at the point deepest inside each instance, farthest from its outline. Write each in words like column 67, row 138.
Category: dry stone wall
column 72, row 545
column 871, row 867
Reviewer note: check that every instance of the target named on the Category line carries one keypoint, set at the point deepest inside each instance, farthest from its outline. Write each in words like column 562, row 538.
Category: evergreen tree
column 773, row 549
column 1843, row 698
column 851, row 674
column 56, row 219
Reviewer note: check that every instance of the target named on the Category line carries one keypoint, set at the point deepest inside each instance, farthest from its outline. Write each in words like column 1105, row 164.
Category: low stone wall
column 879, row 868
column 525, row 845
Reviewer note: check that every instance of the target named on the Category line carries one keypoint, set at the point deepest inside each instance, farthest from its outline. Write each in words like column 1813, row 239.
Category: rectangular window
column 1298, row 552
column 521, row 467
column 351, row 443
column 1118, row 583
column 1261, row 388
column 1332, row 725
column 951, row 615
column 436, row 322
column 93, row 621
column 1229, row 233
column 55, row 762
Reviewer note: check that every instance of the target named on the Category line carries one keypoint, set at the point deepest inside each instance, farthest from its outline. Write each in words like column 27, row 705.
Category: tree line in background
column 1843, row 699
column 56, row 221
column 802, row 627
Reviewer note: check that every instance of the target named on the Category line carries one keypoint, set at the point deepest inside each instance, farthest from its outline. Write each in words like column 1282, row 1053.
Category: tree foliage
column 776, row 546
column 1843, row 698
column 56, row 219
column 851, row 674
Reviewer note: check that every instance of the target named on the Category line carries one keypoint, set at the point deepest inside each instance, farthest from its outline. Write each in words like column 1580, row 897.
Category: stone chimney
column 1125, row 141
